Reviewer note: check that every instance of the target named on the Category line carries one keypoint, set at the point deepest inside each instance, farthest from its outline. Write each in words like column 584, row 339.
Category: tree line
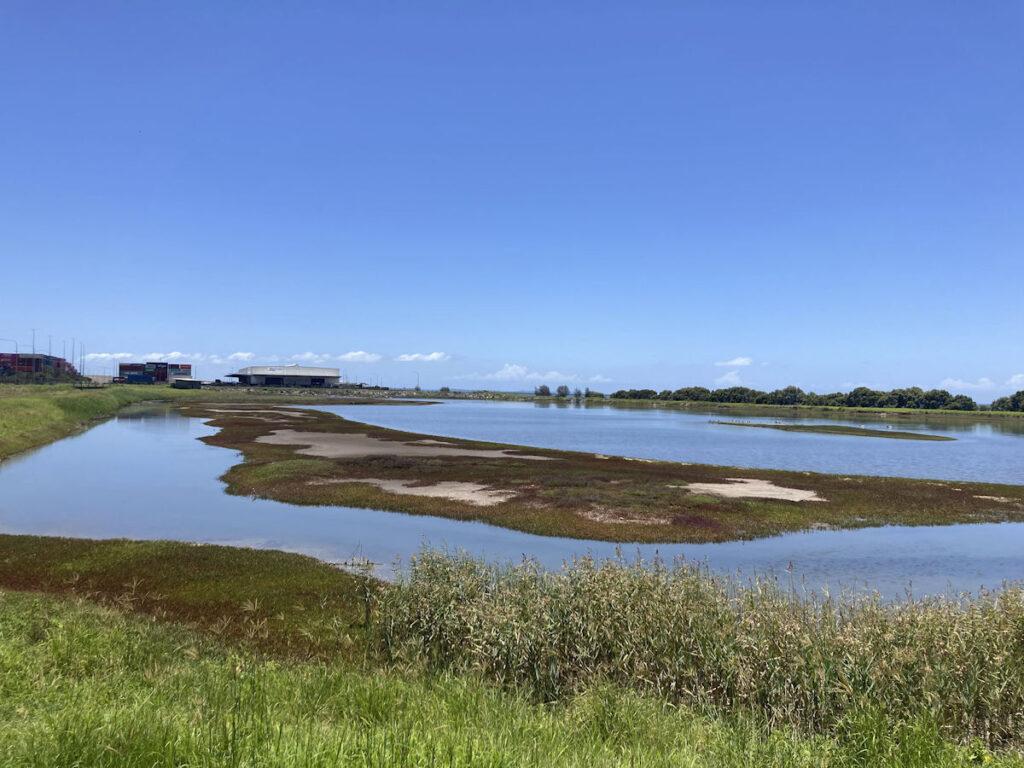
column 563, row 391
column 861, row 397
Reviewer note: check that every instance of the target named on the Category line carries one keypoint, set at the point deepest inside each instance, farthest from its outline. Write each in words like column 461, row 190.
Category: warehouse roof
column 286, row 370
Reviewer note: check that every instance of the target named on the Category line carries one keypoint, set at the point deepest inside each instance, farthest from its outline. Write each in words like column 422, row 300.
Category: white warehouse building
column 287, row 376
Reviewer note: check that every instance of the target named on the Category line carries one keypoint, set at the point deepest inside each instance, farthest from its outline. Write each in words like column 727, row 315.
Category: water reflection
column 982, row 451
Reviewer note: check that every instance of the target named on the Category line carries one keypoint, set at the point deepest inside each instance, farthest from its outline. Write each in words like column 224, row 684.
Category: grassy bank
column 34, row 415
column 124, row 684
column 580, row 495
column 837, row 429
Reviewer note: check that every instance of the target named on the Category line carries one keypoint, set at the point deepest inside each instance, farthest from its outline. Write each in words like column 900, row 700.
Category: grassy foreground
column 131, row 683
column 86, row 686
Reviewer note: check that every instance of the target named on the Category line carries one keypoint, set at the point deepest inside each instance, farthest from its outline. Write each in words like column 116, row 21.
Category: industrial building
column 287, row 376
column 152, row 373
column 35, row 365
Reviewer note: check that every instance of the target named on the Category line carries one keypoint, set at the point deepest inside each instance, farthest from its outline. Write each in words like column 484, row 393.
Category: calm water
column 144, row 475
column 985, row 451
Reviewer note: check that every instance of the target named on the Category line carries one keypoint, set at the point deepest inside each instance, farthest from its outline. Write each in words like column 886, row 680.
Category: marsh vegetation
column 154, row 653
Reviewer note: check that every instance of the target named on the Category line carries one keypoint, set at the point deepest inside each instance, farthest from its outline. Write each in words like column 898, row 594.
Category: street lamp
column 13, row 342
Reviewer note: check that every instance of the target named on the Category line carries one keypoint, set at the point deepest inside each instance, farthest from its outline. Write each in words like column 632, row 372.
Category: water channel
column 144, row 475
column 989, row 450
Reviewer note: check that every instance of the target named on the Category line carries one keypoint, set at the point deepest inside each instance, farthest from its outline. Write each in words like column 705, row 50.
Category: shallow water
column 989, row 451
column 144, row 475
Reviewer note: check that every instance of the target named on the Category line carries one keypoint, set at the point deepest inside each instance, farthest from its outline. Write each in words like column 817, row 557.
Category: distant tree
column 962, row 403
column 576, row 393
column 445, row 390
column 735, row 395
column 634, row 394
column 936, row 398
column 693, row 394
column 562, row 391
column 911, row 397
column 1014, row 402
column 863, row 397
column 542, row 391
column 788, row 396
column 588, row 392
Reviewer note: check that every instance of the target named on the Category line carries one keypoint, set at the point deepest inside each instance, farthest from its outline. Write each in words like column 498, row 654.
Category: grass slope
column 82, row 684
column 34, row 415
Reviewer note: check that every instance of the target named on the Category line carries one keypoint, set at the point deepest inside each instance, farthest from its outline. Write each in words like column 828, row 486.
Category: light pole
column 15, row 343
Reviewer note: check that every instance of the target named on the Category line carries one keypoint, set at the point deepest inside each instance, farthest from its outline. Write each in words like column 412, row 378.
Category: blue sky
column 505, row 194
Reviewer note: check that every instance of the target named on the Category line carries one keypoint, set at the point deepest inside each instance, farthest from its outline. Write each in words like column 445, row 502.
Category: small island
column 839, row 429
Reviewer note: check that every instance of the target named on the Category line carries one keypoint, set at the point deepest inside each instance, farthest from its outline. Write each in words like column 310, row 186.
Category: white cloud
column 109, row 356
column 960, row 384
column 310, row 357
column 730, row 379
column 241, row 357
column 513, row 372
column 175, row 356
column 359, row 357
column 1016, row 381
column 598, row 379
column 736, row 362
column 423, row 357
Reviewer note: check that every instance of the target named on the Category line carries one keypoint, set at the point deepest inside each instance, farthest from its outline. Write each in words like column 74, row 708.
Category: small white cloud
column 310, row 357
column 241, row 357
column 513, row 372
column 1016, row 381
column 598, row 379
column 109, row 356
column 960, row 384
column 157, row 357
column 736, row 362
column 730, row 379
column 423, row 357
column 359, row 357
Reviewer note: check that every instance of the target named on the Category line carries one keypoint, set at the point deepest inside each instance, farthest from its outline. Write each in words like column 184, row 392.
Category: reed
column 818, row 663
column 86, row 685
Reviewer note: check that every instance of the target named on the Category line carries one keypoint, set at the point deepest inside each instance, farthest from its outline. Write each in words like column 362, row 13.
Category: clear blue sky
column 612, row 195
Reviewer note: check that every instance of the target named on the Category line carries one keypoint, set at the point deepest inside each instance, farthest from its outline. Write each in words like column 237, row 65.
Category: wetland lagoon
column 145, row 474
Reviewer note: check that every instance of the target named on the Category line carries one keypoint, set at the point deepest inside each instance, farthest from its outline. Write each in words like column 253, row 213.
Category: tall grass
column 820, row 664
column 83, row 685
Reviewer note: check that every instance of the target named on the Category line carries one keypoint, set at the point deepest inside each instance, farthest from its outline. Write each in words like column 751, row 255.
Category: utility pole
column 33, row 341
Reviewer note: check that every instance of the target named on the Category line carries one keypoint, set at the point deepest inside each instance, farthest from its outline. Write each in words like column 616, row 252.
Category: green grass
column 670, row 640
column 839, row 429
column 83, row 685
column 34, row 415
column 281, row 603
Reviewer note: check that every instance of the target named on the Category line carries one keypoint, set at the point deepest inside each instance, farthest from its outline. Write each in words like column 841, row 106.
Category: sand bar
column 744, row 487
column 471, row 493
column 336, row 445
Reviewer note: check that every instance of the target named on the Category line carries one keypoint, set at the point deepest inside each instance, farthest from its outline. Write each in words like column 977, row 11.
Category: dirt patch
column 1000, row 499
column 334, row 445
column 471, row 493
column 615, row 516
column 750, row 488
